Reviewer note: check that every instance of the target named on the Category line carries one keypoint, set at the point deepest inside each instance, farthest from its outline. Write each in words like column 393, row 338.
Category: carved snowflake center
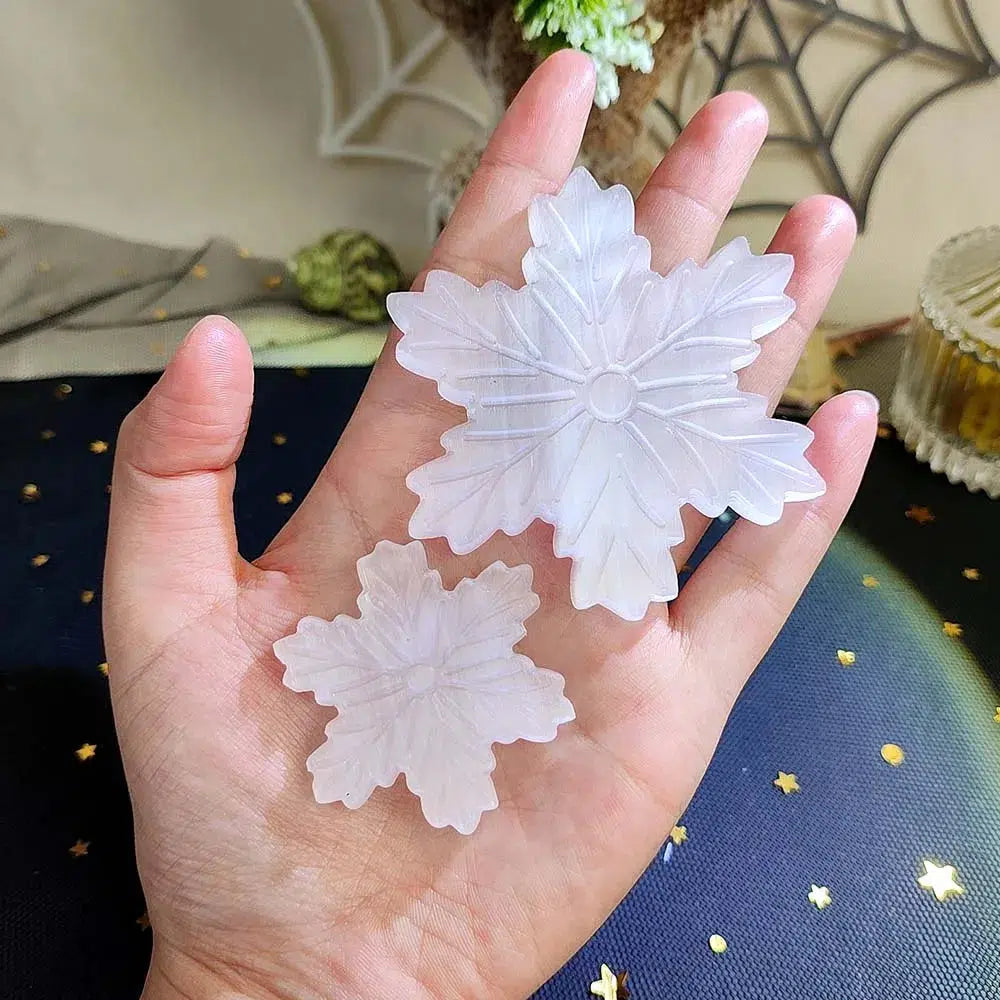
column 611, row 395
column 421, row 678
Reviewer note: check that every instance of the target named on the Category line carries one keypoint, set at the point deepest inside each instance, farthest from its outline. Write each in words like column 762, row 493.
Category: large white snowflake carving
column 602, row 397
column 425, row 681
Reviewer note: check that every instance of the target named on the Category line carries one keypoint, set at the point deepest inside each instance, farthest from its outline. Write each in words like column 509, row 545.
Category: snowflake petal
column 602, row 397
column 425, row 681
column 352, row 762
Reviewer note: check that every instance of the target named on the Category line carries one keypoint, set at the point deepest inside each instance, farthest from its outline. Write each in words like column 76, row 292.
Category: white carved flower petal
column 617, row 520
column 599, row 348
column 338, row 661
column 492, row 480
column 726, row 452
column 425, row 681
column 453, row 794
column 359, row 755
column 481, row 344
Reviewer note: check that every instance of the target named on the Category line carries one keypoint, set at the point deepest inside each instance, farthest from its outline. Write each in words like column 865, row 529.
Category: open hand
column 256, row 891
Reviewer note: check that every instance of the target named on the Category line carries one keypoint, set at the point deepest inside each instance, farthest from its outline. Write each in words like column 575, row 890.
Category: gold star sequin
column 284, row 498
column 143, row 921
column 199, row 271
column 103, row 667
column 940, row 879
column 79, row 849
column 970, row 573
column 278, row 439
column 63, row 390
column 98, row 447
column 47, row 434
column 606, row 986
column 40, row 560
column 30, row 492
column 952, row 629
column 678, row 835
column 788, row 783
column 86, row 596
column 43, row 267
column 243, row 252
column 869, row 581
column 884, row 431
column 86, row 751
column 846, row 657
column 718, row 944
column 160, row 314
column 819, row 896
column 273, row 281
column 922, row 515
column 996, row 715
column 892, row 754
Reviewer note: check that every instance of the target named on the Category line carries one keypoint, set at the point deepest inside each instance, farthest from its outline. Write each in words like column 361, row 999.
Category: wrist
column 174, row 976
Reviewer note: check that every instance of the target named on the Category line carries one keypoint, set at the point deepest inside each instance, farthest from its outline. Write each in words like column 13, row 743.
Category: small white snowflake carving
column 425, row 681
column 602, row 397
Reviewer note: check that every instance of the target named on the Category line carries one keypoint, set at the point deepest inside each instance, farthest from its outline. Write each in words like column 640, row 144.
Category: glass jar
column 946, row 405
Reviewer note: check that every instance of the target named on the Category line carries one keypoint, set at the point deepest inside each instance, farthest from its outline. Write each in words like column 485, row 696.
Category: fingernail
column 871, row 402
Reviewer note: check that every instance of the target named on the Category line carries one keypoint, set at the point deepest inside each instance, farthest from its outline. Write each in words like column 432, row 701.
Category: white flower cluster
column 609, row 31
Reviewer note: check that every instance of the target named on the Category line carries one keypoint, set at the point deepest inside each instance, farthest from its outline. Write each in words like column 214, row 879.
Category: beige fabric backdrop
column 172, row 122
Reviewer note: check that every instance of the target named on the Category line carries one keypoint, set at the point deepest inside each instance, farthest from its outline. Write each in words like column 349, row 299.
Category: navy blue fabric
column 68, row 926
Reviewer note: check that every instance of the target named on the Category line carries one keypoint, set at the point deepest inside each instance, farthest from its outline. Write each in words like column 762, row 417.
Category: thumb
column 171, row 539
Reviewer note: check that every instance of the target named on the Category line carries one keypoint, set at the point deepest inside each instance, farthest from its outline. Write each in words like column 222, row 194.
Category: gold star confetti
column 284, row 498
column 718, row 944
column 199, row 271
column 846, row 657
column 922, row 515
column 40, row 560
column 279, row 439
column 788, row 783
column 79, row 849
column 143, row 921
column 869, row 581
column 952, row 629
column 892, row 754
column 86, row 751
column 940, row 879
column 103, row 667
column 819, row 896
column 47, row 434
column 884, row 431
column 678, row 835
column 63, row 390
column 30, row 492
column 43, row 267
column 996, row 715
column 160, row 314
column 970, row 573
column 86, row 596
column 98, row 447
column 273, row 281
column 606, row 986
column 243, row 252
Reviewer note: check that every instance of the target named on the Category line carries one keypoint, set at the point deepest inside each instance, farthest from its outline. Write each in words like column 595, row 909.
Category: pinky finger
column 736, row 603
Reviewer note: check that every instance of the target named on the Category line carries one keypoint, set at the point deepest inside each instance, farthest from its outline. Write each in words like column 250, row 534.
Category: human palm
column 256, row 891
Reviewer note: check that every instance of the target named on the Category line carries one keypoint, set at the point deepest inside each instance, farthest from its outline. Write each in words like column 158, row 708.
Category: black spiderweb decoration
column 967, row 62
